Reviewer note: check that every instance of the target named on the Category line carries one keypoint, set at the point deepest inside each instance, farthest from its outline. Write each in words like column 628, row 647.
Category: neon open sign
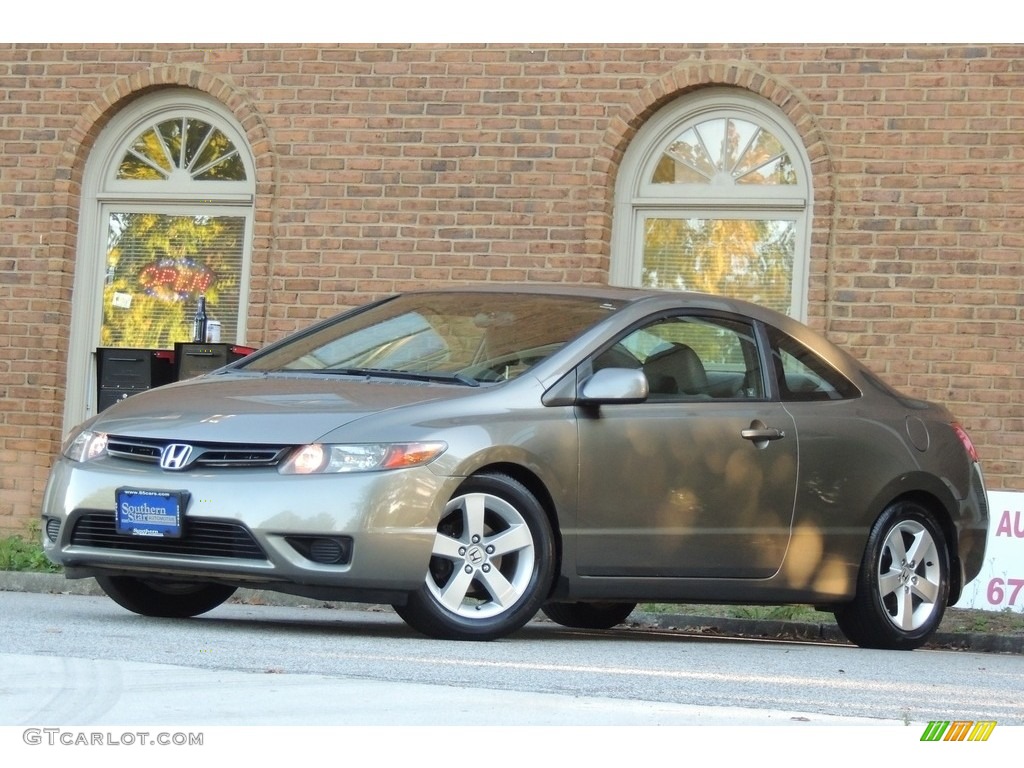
column 183, row 277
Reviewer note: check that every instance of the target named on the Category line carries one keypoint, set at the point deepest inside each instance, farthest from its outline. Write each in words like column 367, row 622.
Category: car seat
column 676, row 371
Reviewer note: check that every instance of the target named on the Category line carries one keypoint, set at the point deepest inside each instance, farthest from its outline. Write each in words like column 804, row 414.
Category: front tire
column 588, row 615
column 164, row 599
column 492, row 563
column 903, row 584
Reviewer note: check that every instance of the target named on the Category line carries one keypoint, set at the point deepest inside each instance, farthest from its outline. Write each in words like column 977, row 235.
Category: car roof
column 549, row 289
column 626, row 296
column 654, row 300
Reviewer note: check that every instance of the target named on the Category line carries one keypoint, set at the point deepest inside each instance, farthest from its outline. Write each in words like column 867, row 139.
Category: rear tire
column 492, row 563
column 588, row 615
column 903, row 584
column 164, row 599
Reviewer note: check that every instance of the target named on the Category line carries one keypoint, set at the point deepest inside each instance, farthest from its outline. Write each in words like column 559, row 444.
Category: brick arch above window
column 121, row 93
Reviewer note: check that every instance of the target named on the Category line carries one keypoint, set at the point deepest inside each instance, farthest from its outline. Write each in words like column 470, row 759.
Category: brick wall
column 381, row 168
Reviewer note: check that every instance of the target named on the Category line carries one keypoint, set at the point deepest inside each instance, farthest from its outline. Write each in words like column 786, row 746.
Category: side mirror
column 614, row 385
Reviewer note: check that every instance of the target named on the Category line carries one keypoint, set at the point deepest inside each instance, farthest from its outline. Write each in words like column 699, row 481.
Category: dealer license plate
column 149, row 513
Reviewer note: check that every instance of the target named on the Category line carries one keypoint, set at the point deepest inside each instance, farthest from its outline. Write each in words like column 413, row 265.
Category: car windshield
column 467, row 337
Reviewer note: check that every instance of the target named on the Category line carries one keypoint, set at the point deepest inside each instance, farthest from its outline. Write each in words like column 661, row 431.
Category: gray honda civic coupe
column 474, row 456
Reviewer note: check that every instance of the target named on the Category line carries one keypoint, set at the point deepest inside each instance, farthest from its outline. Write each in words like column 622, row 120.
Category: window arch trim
column 657, row 134
column 126, row 127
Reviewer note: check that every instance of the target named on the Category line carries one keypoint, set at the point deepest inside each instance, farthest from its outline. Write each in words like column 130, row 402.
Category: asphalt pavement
column 983, row 642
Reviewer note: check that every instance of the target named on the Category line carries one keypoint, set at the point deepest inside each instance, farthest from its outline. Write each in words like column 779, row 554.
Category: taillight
column 965, row 439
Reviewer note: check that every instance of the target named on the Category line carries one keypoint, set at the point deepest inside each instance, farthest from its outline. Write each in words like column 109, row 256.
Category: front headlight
column 85, row 446
column 320, row 459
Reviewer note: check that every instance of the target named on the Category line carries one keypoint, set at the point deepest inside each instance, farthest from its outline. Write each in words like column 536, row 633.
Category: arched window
column 713, row 195
column 166, row 218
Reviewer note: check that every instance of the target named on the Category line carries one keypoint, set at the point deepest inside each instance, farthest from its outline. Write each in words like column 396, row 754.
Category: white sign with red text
column 1000, row 585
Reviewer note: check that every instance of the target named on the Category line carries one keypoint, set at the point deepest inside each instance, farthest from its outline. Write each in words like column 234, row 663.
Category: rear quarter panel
column 856, row 459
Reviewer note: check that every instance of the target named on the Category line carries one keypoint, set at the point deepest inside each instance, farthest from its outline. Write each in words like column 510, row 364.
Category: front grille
column 207, row 538
column 138, row 450
column 203, row 454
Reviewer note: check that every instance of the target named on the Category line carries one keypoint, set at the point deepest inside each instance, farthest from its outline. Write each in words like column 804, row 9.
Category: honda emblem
column 175, row 456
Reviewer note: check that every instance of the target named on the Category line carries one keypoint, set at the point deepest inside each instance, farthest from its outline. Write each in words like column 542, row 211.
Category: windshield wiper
column 387, row 373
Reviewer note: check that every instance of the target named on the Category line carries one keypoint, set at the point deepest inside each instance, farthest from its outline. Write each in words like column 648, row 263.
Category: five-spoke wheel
column 491, row 566
column 903, row 586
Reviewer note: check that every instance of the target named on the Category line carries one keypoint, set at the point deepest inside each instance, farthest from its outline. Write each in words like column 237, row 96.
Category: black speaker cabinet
column 122, row 372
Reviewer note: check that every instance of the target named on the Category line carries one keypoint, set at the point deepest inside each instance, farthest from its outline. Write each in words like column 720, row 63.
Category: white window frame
column 102, row 192
column 637, row 198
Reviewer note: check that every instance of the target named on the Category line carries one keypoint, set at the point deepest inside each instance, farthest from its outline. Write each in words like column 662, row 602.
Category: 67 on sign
column 1004, row 592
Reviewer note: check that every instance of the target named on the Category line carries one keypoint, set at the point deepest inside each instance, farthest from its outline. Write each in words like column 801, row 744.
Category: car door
column 699, row 480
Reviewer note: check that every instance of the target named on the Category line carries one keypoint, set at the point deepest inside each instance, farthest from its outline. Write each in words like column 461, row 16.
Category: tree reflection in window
column 746, row 258
column 726, row 150
column 182, row 146
column 158, row 265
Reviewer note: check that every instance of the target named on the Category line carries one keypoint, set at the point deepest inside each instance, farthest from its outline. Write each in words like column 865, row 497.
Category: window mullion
column 216, row 161
column 148, row 161
column 235, row 199
column 199, row 153
column 767, row 204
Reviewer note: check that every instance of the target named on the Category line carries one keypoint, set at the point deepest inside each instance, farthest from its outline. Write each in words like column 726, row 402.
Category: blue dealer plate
column 149, row 513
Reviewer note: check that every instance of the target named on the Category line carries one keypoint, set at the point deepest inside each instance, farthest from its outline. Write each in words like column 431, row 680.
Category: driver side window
column 691, row 358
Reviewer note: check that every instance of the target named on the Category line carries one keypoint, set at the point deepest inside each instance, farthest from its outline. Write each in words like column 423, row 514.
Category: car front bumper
column 253, row 527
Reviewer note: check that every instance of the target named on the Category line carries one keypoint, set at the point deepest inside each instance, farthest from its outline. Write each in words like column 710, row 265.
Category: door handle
column 760, row 434
column 765, row 433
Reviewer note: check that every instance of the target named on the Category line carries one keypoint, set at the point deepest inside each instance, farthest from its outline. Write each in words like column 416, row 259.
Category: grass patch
column 784, row 613
column 955, row 621
column 25, row 553
column 801, row 613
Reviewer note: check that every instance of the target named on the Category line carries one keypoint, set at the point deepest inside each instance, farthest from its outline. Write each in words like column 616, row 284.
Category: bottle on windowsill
column 199, row 323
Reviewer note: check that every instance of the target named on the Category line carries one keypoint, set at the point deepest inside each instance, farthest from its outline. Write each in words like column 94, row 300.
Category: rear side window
column 802, row 376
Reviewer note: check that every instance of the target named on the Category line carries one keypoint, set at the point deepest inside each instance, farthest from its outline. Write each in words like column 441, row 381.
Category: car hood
column 264, row 408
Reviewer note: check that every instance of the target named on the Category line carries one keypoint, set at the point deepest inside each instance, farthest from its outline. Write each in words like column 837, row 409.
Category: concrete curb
column 967, row 641
column 55, row 583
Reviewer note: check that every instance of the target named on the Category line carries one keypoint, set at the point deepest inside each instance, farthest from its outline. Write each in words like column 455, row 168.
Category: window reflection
column 750, row 259
column 725, row 150
column 182, row 145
